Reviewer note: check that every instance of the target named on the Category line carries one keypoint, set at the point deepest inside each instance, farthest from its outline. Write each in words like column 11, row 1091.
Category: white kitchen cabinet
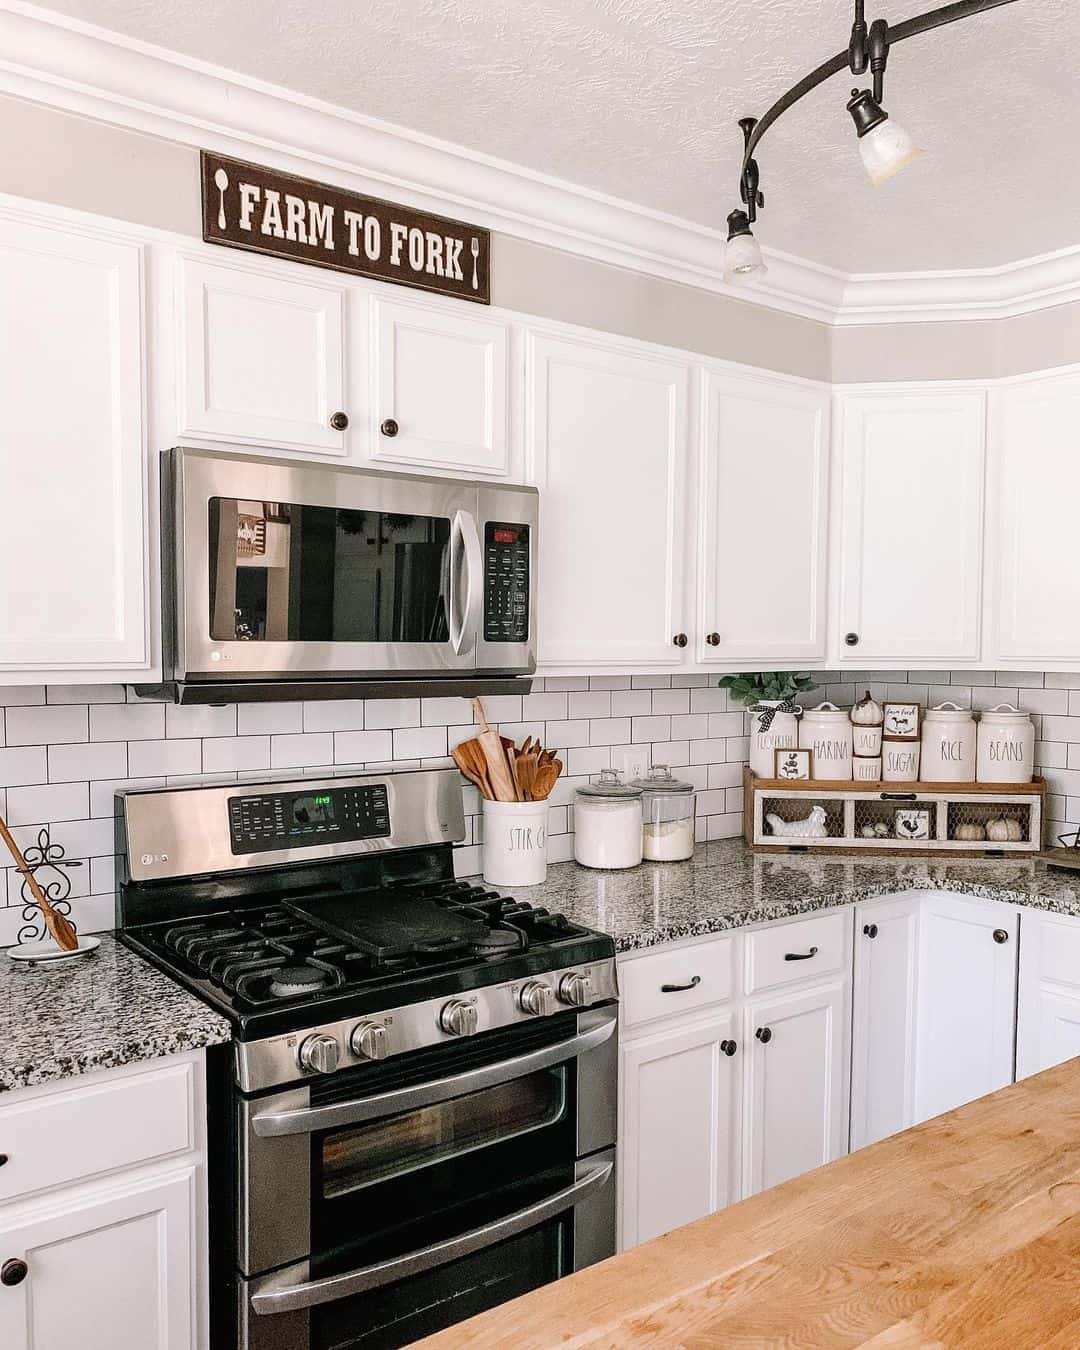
column 884, row 1000
column 678, row 1133
column 764, row 492
column 909, row 531
column 261, row 357
column 1035, row 481
column 966, row 1001
column 72, row 483
column 439, row 396
column 111, row 1269
column 796, row 1095
column 606, row 443
column 1048, row 1003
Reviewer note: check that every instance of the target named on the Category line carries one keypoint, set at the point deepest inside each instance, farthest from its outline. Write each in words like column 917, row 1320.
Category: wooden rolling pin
column 60, row 929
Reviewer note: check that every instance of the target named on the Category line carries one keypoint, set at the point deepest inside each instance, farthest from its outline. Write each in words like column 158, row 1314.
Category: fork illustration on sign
column 475, row 254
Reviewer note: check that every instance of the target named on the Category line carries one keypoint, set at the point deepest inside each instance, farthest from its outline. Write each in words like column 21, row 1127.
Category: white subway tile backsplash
column 596, row 703
column 362, row 747
column 269, row 719
column 1054, row 701
column 80, row 763
column 563, row 735
column 103, row 793
column 24, row 764
column 385, row 713
column 346, row 714
column 445, row 712
column 566, row 684
column 609, row 682
column 154, row 758
column 127, row 722
column 632, row 702
column 301, row 750
column 692, row 726
column 84, row 693
column 19, row 695
column 609, row 731
column 709, row 701
column 420, row 742
column 46, row 805
column 190, row 720
column 239, row 753
column 45, row 725
column 650, row 729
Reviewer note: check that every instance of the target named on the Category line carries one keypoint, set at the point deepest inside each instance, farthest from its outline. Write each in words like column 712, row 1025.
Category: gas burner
column 498, row 941
column 292, row 981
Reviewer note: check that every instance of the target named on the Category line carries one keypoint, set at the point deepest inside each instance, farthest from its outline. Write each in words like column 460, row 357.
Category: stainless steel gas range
column 416, row 1118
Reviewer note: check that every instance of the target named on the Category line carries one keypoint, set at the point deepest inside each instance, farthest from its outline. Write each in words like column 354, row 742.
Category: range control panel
column 506, row 582
column 300, row 819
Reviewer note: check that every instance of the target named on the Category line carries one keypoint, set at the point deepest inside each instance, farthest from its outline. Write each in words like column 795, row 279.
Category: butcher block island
column 963, row 1231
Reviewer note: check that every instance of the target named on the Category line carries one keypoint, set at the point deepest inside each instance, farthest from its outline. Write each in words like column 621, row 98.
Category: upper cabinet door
column 261, row 358
column 607, row 441
column 764, row 475
column 1036, row 483
column 911, row 467
column 72, row 543
column 439, row 397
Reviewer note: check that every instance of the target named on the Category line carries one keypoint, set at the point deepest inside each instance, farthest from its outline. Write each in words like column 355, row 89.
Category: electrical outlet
column 632, row 763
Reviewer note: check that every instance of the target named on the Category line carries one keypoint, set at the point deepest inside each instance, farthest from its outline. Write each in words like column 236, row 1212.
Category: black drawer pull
column 898, row 797
column 728, row 1048
column 800, row 956
column 680, row 988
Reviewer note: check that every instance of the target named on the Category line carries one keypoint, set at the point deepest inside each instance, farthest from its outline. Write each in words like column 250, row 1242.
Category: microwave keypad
column 506, row 582
column 259, row 824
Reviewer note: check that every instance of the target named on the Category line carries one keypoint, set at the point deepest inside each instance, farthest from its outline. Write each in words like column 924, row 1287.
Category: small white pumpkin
column 868, row 712
column 970, row 833
column 1003, row 829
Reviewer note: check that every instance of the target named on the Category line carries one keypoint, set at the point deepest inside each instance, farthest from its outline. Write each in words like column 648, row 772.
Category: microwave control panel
column 271, row 821
column 506, row 582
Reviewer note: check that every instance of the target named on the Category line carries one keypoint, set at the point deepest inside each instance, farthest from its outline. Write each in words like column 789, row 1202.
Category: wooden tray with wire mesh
column 872, row 817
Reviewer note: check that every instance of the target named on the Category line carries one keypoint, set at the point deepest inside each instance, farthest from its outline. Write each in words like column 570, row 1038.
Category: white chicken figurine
column 812, row 827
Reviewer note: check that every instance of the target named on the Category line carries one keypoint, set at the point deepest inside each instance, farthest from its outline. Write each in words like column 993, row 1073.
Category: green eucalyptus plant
column 767, row 684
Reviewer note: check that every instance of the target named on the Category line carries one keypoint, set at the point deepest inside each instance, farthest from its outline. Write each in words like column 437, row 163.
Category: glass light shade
column 886, row 150
column 743, row 262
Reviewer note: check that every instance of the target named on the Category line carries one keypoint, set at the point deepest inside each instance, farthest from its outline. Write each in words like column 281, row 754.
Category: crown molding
column 85, row 69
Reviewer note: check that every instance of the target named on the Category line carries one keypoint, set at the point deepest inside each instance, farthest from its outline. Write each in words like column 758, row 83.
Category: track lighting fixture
column 884, row 147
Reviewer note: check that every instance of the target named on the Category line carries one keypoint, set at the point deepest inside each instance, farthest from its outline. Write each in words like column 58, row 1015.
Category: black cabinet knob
column 1000, row 935
column 339, row 421
column 3, row 1159
column 852, row 639
column 679, row 639
column 870, row 929
column 728, row 1048
column 764, row 1035
column 13, row 1271
column 713, row 639
column 389, row 427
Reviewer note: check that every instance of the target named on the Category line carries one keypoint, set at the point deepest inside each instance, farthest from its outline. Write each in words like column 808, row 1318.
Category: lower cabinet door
column 1048, row 1013
column 678, row 1133
column 796, row 1111
column 967, row 1002
column 883, row 1024
column 115, row 1271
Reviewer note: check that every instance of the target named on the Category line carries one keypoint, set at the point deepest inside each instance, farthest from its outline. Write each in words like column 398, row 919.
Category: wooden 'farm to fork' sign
column 251, row 207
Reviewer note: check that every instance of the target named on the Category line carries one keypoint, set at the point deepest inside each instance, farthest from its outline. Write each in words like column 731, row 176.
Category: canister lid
column 1006, row 712
column 948, row 712
column 610, row 786
column 828, row 712
column 659, row 781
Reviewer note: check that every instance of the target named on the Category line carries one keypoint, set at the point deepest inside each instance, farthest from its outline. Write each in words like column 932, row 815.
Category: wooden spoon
column 60, row 929
column 547, row 775
column 466, row 763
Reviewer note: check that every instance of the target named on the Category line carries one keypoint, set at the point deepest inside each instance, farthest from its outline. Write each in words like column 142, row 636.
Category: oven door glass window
column 280, row 572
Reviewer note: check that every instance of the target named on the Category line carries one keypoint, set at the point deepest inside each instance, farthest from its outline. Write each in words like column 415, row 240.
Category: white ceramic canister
column 1006, row 746
column 899, row 761
column 948, row 744
column 826, row 732
column 773, row 726
column 866, row 741
column 866, row 769
column 515, row 843
column 607, row 823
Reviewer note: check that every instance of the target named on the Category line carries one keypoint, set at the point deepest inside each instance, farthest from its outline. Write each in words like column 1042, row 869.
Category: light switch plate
column 632, row 763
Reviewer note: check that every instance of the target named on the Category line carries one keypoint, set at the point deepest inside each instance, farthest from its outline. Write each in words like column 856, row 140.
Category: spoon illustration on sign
column 221, row 181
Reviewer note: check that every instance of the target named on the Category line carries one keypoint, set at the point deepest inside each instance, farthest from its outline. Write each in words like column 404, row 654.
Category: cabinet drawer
column 782, row 954
column 676, row 981
column 94, row 1127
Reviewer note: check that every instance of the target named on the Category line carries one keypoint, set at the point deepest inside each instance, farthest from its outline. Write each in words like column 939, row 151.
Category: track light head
column 884, row 147
column 743, row 261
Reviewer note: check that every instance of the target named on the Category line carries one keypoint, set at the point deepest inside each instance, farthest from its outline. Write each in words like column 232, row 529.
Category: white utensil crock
column 781, row 732
column 1006, row 746
column 515, row 843
column 826, row 732
column 948, row 745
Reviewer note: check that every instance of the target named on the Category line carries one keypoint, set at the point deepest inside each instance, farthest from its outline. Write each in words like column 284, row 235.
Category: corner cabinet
column 606, row 443
column 1048, row 1017
column 72, row 505
column 764, row 477
column 909, row 526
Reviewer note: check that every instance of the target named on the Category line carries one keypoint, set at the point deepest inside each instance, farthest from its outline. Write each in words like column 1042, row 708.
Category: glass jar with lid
column 668, row 806
column 607, row 822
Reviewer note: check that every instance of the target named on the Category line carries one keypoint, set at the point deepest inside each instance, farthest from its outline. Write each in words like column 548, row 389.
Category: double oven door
column 293, row 570
column 389, row 1202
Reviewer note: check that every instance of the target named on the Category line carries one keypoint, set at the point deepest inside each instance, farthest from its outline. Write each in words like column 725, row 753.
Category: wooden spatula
column 60, row 929
column 498, row 770
column 465, row 757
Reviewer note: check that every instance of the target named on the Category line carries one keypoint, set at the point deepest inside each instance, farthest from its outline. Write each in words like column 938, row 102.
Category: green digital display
column 313, row 810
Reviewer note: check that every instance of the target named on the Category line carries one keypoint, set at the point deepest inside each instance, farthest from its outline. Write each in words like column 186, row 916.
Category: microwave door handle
column 289, row 1289
column 306, row 1120
column 463, row 529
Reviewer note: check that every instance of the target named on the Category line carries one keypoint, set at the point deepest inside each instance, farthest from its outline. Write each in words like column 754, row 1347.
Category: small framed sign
column 901, row 722
column 912, row 824
column 792, row 764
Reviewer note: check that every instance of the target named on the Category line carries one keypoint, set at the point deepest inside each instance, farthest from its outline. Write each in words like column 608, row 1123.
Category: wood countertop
column 964, row 1231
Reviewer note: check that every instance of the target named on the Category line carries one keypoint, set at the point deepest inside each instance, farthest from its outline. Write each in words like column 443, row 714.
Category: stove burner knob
column 536, row 998
column 318, row 1054
column 370, row 1041
column 458, row 1018
column 575, row 989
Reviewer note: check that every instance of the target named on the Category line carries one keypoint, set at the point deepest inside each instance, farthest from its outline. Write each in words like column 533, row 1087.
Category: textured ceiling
column 638, row 98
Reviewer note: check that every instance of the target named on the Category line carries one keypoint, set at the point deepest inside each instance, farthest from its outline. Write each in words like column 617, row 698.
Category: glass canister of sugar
column 668, row 806
column 607, row 822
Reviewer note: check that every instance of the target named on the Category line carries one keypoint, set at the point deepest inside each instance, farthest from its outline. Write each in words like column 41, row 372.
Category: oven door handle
column 289, row 1289
column 306, row 1120
column 463, row 527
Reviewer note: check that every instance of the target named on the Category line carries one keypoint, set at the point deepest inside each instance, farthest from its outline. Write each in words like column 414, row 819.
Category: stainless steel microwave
column 289, row 579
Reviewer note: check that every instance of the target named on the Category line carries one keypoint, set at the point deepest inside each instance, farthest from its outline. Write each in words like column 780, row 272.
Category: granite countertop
column 727, row 885
column 108, row 1009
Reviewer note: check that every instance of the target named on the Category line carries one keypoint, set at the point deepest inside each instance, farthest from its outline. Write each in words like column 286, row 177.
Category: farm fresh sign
column 250, row 207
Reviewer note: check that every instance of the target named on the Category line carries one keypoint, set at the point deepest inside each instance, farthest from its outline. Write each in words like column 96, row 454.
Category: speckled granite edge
column 111, row 1009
